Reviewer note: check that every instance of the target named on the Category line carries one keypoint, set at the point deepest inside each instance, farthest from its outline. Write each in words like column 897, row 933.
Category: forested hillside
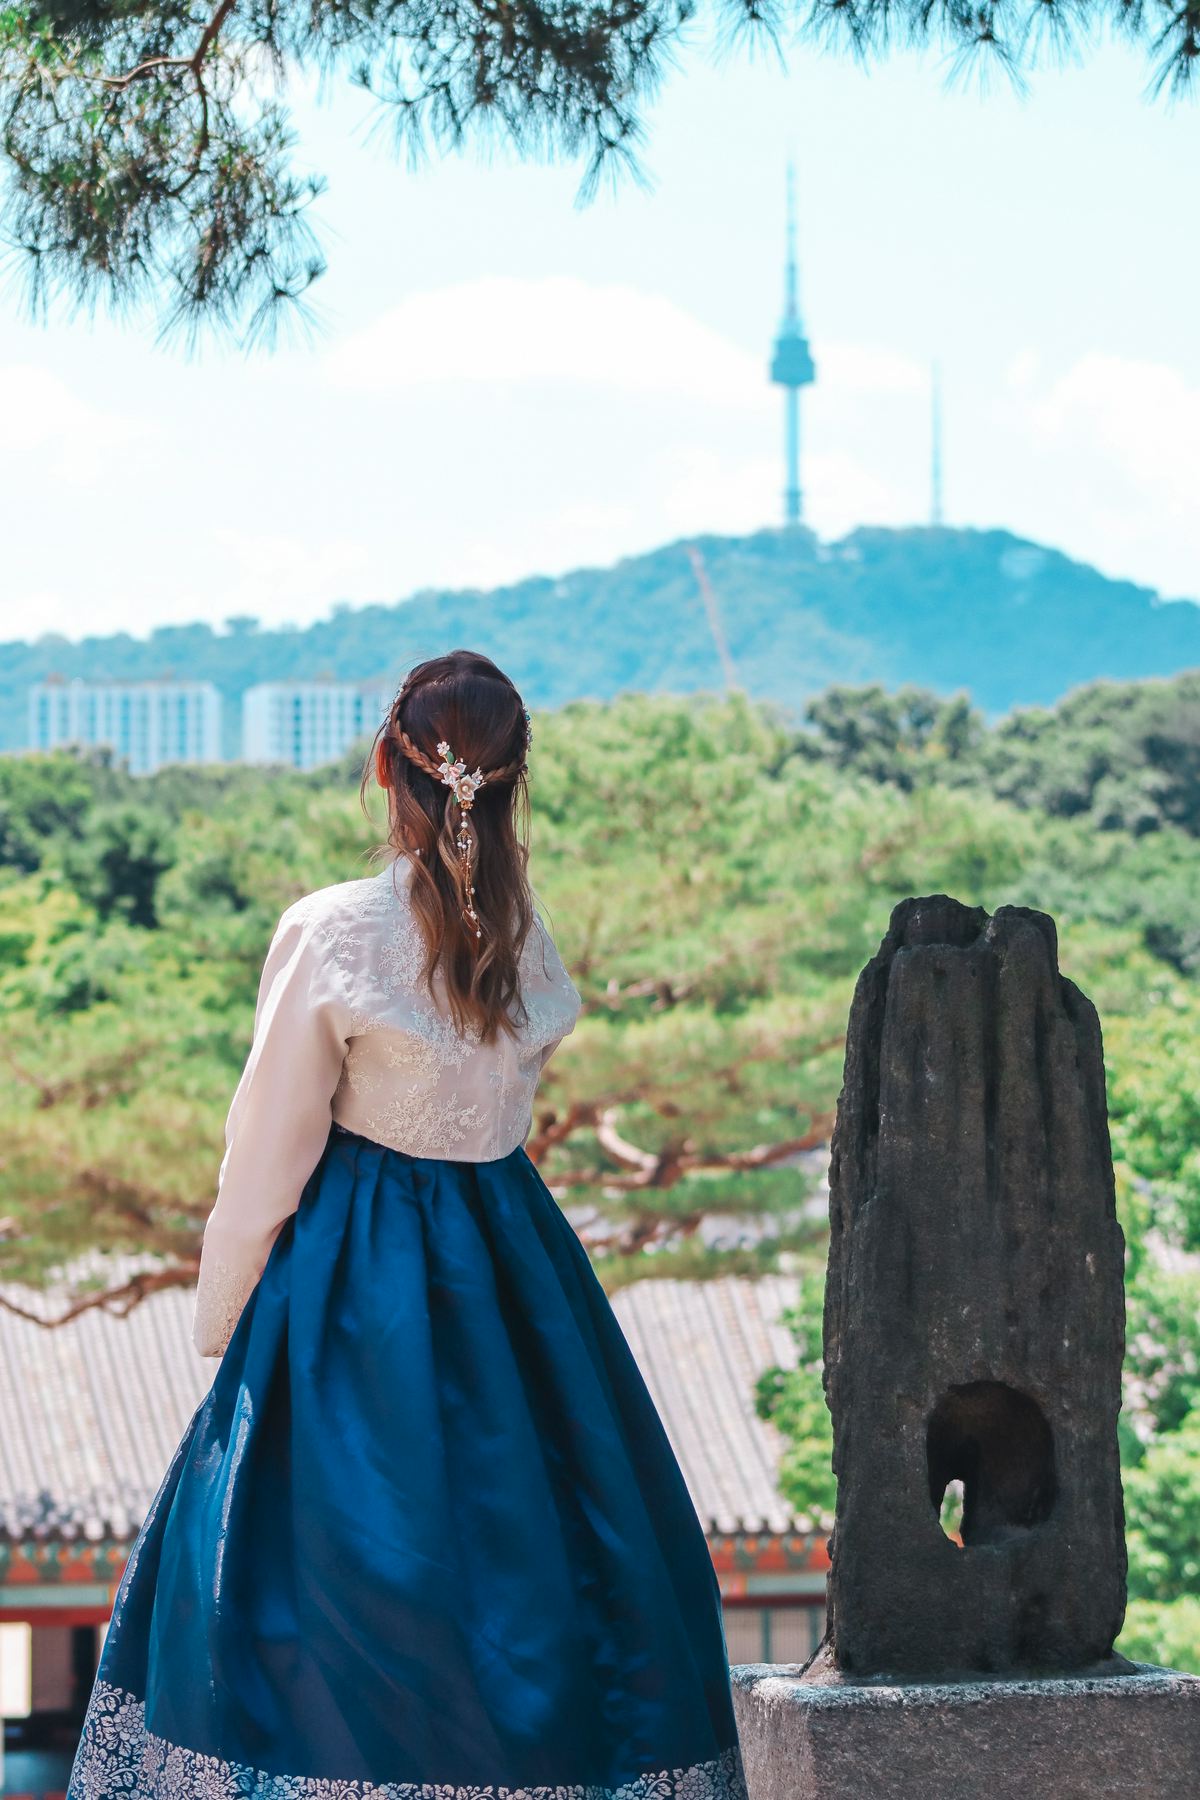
column 716, row 878
column 1008, row 621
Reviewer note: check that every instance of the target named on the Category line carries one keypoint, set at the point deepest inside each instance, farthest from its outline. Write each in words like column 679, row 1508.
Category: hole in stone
column 996, row 1446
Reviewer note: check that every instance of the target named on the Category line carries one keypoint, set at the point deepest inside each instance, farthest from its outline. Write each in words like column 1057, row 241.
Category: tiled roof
column 701, row 1346
column 93, row 1410
column 92, row 1413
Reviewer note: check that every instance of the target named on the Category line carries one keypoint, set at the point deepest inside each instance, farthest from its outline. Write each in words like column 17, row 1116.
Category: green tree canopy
column 713, row 893
column 150, row 151
column 715, row 879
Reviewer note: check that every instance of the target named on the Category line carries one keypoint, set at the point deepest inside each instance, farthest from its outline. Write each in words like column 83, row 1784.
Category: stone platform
column 1133, row 1735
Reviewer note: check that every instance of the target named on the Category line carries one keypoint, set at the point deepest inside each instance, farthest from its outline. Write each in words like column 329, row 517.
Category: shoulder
column 339, row 934
column 540, row 961
column 345, row 906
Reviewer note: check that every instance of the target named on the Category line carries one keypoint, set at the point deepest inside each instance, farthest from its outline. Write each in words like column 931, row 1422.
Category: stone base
column 1136, row 1736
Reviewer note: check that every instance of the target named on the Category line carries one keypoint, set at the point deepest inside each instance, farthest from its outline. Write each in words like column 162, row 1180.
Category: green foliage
column 1162, row 1494
column 908, row 737
column 714, row 895
column 794, row 1402
column 150, row 154
column 1126, row 755
column 116, row 863
column 1154, row 1101
column 1162, row 1349
column 800, row 616
column 1162, row 1505
column 43, row 798
column 716, row 879
column 1166, row 1633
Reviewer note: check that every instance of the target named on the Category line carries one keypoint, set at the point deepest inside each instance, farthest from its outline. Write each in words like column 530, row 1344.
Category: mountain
column 1012, row 622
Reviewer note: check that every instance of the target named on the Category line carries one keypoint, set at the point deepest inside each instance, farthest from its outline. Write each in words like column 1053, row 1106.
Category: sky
column 505, row 382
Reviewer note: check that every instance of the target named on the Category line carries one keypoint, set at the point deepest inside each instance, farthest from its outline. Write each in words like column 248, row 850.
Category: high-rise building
column 306, row 723
column 792, row 368
column 146, row 724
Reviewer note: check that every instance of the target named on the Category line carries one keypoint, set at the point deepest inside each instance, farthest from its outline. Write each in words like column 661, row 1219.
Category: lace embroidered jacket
column 346, row 1030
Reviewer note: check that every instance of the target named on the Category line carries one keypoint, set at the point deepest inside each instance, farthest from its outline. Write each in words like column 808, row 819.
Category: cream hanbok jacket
column 346, row 1030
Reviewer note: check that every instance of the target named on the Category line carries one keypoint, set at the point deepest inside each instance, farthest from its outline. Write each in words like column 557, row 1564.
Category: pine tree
column 151, row 155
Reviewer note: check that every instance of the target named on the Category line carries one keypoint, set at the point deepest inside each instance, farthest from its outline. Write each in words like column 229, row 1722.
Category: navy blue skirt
column 426, row 1535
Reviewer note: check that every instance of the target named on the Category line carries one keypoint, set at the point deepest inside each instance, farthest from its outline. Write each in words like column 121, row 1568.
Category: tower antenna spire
column 792, row 365
column 936, row 511
column 791, row 302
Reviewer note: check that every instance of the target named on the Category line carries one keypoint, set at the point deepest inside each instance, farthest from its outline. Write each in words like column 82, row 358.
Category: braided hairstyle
column 467, row 846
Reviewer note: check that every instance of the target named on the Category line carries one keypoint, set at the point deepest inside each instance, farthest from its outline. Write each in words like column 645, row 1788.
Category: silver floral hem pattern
column 118, row 1756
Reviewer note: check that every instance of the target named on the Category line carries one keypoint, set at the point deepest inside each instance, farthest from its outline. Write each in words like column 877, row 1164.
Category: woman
column 425, row 1536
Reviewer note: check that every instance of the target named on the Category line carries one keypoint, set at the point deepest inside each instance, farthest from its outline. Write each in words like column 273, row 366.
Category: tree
column 715, row 889
column 150, row 152
column 117, row 862
column 908, row 737
column 1126, row 754
column 713, row 895
column 42, row 797
column 1162, row 1499
column 793, row 1400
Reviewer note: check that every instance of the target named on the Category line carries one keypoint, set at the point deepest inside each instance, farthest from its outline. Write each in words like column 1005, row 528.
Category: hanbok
column 425, row 1537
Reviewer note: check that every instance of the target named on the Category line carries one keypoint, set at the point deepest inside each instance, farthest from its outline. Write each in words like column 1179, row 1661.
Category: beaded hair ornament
column 452, row 773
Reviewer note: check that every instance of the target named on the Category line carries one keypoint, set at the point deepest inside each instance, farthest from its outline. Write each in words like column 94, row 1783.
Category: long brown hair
column 465, row 701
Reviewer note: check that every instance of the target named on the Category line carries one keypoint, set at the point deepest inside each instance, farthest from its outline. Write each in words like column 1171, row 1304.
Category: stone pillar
column 974, row 1319
column 974, row 1331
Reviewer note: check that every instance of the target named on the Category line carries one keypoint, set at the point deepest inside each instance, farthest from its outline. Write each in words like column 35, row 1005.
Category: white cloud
column 281, row 578
column 501, row 329
column 36, row 611
column 547, row 542
column 843, row 491
column 696, row 489
column 41, row 415
column 1023, row 370
column 699, row 490
column 869, row 369
column 1143, row 417
column 506, row 330
column 1111, row 449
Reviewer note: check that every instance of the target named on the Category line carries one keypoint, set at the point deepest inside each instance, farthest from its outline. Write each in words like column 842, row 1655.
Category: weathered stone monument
column 974, row 1329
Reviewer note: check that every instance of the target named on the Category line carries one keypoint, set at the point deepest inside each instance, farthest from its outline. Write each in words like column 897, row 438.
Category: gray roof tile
column 93, row 1410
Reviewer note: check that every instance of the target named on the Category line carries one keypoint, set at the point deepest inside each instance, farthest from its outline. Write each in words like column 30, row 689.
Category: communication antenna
column 792, row 367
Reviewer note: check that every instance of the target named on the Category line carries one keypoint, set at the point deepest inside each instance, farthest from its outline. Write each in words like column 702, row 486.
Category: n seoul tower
column 792, row 367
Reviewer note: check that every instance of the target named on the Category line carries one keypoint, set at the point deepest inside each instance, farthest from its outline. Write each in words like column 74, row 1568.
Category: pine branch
column 555, row 1129
column 120, row 1301
column 148, row 161
column 97, row 1084
column 646, row 1169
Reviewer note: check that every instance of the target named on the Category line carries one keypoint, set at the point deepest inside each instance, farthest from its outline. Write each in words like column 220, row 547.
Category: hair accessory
column 464, row 788
column 454, row 776
column 452, row 773
column 528, row 727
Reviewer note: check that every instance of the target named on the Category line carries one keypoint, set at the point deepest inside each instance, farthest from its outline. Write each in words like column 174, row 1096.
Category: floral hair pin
column 454, row 775
column 464, row 787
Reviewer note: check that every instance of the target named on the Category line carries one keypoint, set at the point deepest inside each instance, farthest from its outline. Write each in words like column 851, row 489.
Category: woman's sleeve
column 277, row 1125
column 567, row 1000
